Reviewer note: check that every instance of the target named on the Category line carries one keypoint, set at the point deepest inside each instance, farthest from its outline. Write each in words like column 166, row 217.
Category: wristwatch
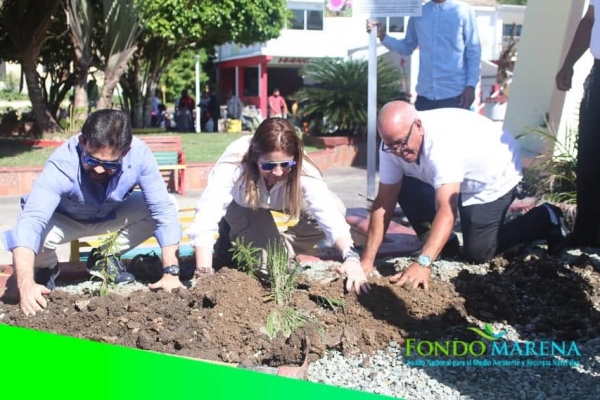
column 171, row 270
column 352, row 252
column 424, row 261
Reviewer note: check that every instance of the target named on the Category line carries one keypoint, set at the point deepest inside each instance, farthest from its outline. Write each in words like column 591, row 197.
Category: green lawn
column 198, row 147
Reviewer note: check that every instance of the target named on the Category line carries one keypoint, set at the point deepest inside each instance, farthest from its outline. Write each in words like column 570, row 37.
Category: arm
column 41, row 205
column 404, row 46
column 164, row 213
column 446, row 199
column 472, row 59
column 381, row 215
column 579, row 45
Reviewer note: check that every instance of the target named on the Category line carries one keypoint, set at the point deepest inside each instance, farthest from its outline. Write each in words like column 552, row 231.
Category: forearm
column 203, row 258
column 169, row 255
column 343, row 243
column 378, row 224
column 23, row 261
column 441, row 228
column 580, row 43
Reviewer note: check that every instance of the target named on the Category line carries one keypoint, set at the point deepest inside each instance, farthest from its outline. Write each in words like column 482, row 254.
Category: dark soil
column 223, row 317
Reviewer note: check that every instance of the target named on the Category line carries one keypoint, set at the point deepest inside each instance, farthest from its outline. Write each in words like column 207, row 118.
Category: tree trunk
column 78, row 110
column 45, row 123
column 115, row 67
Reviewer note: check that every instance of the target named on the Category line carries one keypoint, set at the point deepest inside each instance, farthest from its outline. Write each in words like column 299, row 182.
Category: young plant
column 285, row 320
column 245, row 256
column 282, row 277
column 108, row 253
column 331, row 304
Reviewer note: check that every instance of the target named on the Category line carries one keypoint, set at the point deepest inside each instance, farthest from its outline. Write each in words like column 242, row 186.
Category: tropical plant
column 245, row 256
column 553, row 177
column 338, row 100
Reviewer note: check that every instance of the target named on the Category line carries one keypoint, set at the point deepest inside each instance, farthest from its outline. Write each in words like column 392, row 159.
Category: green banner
column 49, row 366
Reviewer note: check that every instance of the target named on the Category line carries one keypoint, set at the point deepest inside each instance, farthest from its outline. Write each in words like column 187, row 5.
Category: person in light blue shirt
column 450, row 53
column 87, row 188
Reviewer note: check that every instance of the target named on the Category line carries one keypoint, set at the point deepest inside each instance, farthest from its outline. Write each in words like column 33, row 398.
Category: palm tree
column 122, row 26
column 339, row 99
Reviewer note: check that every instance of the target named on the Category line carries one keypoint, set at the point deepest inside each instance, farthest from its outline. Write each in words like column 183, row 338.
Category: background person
column 445, row 162
column 269, row 171
column 450, row 53
column 85, row 189
column 586, row 231
column 277, row 105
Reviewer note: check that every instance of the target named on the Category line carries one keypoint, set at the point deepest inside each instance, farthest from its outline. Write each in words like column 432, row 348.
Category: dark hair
column 107, row 128
column 274, row 134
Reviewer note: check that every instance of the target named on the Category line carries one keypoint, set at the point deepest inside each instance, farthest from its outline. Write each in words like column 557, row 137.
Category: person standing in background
column 450, row 53
column 586, row 231
column 277, row 105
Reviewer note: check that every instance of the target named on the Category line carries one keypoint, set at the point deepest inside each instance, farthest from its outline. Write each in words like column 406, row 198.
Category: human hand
column 467, row 97
column 31, row 297
column 167, row 283
column 355, row 275
column 380, row 30
column 563, row 79
column 414, row 274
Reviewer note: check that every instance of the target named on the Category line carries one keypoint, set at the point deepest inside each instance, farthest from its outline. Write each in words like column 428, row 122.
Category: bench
column 170, row 158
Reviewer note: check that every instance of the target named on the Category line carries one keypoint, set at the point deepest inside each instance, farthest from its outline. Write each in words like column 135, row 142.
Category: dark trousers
column 484, row 232
column 587, row 222
column 424, row 104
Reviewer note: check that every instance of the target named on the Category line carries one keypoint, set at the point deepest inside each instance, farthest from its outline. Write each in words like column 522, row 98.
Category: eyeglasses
column 94, row 162
column 270, row 166
column 399, row 145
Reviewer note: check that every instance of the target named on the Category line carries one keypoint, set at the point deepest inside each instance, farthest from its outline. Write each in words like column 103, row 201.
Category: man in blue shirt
column 450, row 53
column 85, row 189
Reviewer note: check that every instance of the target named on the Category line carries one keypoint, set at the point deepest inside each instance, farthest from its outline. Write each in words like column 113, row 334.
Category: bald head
column 394, row 120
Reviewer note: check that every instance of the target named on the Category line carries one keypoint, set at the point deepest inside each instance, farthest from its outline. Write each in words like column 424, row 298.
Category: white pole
column 372, row 115
column 197, row 93
column 237, row 81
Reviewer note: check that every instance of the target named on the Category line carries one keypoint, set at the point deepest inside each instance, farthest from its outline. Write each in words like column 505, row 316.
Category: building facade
column 321, row 30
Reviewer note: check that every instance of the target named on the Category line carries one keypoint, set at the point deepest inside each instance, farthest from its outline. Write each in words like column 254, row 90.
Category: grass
column 198, row 147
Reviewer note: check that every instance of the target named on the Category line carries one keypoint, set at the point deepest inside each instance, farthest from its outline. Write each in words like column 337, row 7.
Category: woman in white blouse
column 269, row 171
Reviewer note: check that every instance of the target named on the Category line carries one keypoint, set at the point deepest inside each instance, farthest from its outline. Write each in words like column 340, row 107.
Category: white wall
column 541, row 52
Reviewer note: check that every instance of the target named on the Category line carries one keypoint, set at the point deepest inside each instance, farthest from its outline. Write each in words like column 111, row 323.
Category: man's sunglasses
column 270, row 166
column 108, row 165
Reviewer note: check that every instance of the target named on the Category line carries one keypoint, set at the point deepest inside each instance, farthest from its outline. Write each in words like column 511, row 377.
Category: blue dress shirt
column 64, row 187
column 450, row 51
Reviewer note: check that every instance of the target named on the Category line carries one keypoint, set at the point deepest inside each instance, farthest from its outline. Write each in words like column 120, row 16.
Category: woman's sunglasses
column 108, row 165
column 270, row 166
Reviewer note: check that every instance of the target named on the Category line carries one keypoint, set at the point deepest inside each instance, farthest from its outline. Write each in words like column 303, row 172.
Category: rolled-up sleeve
column 162, row 209
column 213, row 204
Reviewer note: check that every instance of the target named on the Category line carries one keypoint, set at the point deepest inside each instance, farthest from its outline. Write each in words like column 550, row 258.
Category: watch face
column 172, row 270
column 424, row 261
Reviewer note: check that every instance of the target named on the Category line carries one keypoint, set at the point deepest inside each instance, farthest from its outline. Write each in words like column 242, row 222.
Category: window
column 311, row 20
column 506, row 28
column 298, row 19
column 393, row 24
column 315, row 21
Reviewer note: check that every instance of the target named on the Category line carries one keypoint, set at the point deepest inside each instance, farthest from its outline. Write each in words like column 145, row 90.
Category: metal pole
column 197, row 93
column 372, row 115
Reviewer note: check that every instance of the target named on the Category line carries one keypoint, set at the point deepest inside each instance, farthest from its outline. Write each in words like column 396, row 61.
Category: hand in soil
column 167, row 283
column 415, row 275
column 32, row 298
column 356, row 276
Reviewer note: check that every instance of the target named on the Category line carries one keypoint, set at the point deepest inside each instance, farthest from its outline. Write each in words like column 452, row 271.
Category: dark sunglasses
column 270, row 166
column 108, row 165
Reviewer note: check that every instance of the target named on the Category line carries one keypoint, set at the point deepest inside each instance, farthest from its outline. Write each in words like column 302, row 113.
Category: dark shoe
column 46, row 276
column 115, row 267
column 558, row 233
